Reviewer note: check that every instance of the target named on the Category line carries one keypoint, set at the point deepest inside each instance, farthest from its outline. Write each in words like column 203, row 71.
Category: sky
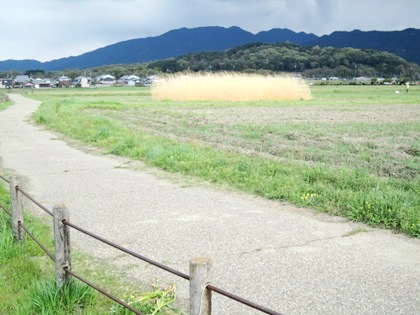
column 50, row 29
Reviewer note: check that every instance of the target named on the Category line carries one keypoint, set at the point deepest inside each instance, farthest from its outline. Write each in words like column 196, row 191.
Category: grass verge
column 27, row 285
column 4, row 101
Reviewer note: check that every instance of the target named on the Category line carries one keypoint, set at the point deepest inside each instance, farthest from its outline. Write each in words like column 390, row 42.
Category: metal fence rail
column 242, row 300
column 198, row 304
column 5, row 179
column 108, row 295
column 34, row 201
column 46, row 251
column 5, row 210
column 129, row 252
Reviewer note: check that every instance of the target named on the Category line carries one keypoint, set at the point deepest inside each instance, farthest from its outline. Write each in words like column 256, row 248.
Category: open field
column 350, row 151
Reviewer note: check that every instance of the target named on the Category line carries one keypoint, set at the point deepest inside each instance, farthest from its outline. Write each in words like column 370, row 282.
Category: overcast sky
column 52, row 29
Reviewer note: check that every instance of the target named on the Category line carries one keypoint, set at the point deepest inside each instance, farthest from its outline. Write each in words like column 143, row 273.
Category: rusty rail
column 129, row 252
column 46, row 251
column 5, row 179
column 242, row 300
column 110, row 296
column 34, row 201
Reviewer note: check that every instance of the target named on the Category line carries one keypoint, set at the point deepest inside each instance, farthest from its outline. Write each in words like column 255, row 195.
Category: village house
column 21, row 79
column 42, row 83
column 105, row 79
column 150, row 80
column 130, row 80
column 63, row 81
column 82, row 81
column 6, row 83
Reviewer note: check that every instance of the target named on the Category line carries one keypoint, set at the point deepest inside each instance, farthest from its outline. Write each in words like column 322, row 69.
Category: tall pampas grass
column 230, row 86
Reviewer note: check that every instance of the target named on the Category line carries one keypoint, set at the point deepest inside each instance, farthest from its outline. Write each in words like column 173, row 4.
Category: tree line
column 312, row 62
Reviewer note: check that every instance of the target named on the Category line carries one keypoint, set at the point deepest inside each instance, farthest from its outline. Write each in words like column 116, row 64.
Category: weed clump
column 228, row 86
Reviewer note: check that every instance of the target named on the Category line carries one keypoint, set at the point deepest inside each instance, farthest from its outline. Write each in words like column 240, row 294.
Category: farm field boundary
column 351, row 151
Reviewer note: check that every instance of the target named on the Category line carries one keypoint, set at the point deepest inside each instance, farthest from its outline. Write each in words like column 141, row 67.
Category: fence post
column 200, row 276
column 62, row 244
column 17, row 208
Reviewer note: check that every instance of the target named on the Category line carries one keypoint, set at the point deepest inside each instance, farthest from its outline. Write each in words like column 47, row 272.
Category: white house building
column 105, row 79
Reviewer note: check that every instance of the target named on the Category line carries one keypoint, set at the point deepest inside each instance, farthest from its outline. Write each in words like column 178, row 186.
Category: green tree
column 35, row 73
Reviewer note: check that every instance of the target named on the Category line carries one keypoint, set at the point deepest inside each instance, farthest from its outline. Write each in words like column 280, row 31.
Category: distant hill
column 312, row 61
column 405, row 44
column 20, row 65
column 203, row 39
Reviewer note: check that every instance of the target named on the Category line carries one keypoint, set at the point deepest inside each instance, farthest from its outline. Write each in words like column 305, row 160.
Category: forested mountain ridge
column 313, row 61
column 405, row 44
column 183, row 41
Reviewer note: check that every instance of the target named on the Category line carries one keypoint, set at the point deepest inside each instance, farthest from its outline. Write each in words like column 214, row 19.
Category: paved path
column 285, row 258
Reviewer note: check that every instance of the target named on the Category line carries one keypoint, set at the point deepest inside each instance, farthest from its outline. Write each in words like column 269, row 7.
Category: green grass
column 27, row 285
column 4, row 104
column 350, row 151
column 72, row 298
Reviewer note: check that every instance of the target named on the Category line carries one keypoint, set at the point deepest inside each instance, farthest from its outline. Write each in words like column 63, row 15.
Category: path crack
column 277, row 248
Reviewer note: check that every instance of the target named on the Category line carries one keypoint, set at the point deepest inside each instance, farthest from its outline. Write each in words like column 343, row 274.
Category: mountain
column 405, row 44
column 20, row 65
column 171, row 44
column 278, row 35
column 202, row 39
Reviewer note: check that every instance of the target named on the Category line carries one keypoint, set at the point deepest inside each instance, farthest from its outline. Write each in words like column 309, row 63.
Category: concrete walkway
column 289, row 259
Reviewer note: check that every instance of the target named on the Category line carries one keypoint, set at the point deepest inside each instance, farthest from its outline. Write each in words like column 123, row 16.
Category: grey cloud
column 49, row 29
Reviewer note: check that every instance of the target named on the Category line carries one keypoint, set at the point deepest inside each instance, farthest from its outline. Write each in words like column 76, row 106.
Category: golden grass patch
column 228, row 86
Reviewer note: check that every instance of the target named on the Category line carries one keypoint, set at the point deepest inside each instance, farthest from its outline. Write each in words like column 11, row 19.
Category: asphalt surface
column 292, row 260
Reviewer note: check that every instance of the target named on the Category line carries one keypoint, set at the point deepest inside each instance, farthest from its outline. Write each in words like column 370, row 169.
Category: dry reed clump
column 227, row 86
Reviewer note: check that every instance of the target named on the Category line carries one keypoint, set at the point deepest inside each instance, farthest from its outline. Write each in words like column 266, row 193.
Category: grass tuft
column 356, row 231
column 152, row 302
column 72, row 298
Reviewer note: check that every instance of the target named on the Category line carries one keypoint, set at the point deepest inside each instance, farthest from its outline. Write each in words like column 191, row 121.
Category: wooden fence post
column 200, row 275
column 17, row 208
column 62, row 244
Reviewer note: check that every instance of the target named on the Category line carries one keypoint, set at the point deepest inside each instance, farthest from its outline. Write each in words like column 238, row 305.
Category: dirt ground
column 337, row 114
column 382, row 138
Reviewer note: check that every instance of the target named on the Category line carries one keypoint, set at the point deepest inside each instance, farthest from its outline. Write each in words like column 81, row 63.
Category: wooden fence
column 200, row 269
